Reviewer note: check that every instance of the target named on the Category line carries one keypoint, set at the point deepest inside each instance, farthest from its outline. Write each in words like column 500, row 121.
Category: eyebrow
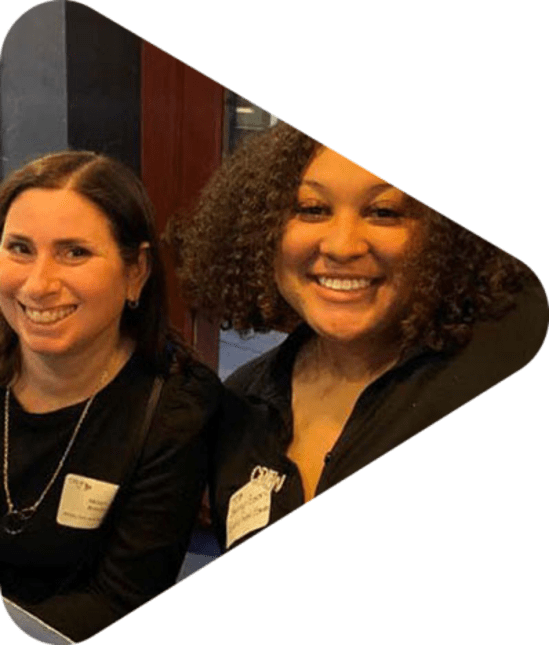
column 71, row 240
column 66, row 241
column 371, row 191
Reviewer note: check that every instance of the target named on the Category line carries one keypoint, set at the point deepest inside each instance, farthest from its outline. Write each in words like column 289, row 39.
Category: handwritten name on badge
column 250, row 507
column 84, row 502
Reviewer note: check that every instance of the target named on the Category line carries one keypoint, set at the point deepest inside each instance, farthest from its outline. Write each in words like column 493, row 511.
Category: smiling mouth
column 48, row 316
column 345, row 284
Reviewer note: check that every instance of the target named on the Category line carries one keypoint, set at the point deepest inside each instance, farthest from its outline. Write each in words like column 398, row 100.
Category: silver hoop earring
column 132, row 304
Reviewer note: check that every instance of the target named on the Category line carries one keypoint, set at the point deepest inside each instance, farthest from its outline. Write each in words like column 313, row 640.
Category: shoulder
column 510, row 342
column 271, row 369
column 241, row 380
column 531, row 315
column 497, row 349
column 189, row 400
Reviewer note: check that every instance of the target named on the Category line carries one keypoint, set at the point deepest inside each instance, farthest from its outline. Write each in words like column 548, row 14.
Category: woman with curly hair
column 397, row 317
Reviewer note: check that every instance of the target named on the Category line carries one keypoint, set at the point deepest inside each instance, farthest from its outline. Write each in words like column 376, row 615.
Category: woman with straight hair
column 105, row 411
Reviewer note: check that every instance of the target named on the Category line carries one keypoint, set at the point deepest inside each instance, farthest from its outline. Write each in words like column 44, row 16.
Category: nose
column 345, row 237
column 43, row 279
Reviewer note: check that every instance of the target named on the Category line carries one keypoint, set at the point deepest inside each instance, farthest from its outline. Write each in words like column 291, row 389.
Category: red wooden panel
column 181, row 133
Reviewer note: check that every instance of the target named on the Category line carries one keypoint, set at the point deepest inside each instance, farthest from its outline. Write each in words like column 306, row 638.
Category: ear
column 138, row 273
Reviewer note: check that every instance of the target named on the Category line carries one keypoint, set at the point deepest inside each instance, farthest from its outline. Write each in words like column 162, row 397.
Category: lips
column 48, row 316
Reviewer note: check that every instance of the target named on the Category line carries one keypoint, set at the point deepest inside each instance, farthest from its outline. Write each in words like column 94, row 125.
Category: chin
column 47, row 346
column 47, row 350
column 353, row 331
column 341, row 334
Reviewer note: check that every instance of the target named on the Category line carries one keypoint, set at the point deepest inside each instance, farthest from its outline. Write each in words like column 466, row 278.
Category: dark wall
column 70, row 78
column 33, row 88
column 103, row 85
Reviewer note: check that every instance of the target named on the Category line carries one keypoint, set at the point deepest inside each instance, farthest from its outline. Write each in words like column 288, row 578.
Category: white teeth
column 45, row 316
column 344, row 285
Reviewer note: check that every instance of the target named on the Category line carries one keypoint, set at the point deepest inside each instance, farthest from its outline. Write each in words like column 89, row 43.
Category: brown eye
column 18, row 248
column 385, row 213
column 76, row 253
column 311, row 211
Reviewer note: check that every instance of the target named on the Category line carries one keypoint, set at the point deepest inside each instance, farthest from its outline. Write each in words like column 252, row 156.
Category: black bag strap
column 140, row 439
column 141, row 436
column 147, row 420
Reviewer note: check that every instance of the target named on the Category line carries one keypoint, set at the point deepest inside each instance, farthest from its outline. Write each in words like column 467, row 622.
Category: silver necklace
column 14, row 520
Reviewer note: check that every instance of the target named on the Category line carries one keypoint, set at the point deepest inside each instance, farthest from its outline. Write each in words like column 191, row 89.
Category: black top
column 80, row 579
column 422, row 388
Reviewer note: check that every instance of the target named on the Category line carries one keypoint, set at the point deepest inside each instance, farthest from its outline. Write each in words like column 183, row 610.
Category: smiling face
column 63, row 283
column 342, row 261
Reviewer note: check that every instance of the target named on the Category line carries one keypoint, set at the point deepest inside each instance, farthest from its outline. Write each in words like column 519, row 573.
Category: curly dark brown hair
column 225, row 251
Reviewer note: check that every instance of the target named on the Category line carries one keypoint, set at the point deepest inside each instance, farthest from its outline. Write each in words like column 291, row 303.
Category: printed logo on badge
column 84, row 502
column 250, row 507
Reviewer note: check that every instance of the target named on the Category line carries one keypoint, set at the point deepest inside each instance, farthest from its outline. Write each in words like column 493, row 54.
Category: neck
column 361, row 361
column 48, row 383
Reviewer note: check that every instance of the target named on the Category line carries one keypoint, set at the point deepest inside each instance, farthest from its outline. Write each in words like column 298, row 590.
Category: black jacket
column 422, row 388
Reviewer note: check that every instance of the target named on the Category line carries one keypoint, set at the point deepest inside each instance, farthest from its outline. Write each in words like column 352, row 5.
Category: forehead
column 55, row 212
column 331, row 171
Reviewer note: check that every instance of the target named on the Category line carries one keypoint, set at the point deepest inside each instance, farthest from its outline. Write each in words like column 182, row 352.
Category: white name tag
column 250, row 507
column 84, row 502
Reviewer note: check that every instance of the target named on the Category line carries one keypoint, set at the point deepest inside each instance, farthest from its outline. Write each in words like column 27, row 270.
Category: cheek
column 397, row 247
column 406, row 262
column 8, row 295
column 101, row 282
column 296, row 248
column 118, row 293
column 10, row 277
column 101, row 301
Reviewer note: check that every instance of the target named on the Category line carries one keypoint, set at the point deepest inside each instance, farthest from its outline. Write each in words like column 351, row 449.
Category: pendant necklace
column 14, row 521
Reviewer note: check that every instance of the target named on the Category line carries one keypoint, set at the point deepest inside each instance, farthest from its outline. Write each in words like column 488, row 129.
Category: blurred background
column 72, row 79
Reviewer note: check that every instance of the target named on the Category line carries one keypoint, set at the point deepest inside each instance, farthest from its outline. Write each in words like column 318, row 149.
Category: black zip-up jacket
column 422, row 388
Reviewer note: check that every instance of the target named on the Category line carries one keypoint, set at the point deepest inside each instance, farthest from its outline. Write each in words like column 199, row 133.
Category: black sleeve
column 152, row 520
column 233, row 419
column 241, row 379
